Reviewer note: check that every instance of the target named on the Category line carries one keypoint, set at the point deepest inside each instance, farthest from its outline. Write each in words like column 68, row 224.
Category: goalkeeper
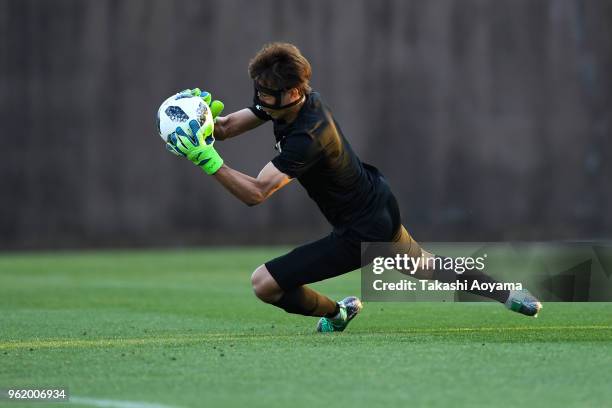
column 353, row 196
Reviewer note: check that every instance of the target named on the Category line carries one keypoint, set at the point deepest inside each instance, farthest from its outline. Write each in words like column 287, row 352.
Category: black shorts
column 340, row 253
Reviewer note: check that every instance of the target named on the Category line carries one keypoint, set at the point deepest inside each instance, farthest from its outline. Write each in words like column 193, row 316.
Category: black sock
column 306, row 301
column 476, row 275
column 335, row 312
column 449, row 276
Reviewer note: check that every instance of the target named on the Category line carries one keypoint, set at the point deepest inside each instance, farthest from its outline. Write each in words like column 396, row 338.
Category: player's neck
column 292, row 112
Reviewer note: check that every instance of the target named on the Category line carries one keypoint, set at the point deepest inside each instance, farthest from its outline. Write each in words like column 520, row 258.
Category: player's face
column 286, row 98
column 265, row 98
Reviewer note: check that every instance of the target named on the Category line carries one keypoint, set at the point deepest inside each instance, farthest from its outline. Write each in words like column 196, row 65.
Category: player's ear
column 295, row 93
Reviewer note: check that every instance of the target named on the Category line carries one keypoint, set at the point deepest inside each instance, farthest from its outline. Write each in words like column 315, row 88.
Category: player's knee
column 264, row 285
column 426, row 266
column 256, row 282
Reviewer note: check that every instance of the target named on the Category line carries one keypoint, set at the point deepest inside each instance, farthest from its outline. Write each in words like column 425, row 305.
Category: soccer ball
column 178, row 110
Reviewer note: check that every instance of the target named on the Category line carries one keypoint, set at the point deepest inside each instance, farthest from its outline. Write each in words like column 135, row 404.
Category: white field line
column 106, row 403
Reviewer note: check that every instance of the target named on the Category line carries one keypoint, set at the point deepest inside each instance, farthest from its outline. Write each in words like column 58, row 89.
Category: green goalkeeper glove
column 216, row 106
column 197, row 147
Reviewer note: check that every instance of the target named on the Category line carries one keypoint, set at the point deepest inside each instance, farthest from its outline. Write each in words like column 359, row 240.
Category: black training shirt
column 313, row 149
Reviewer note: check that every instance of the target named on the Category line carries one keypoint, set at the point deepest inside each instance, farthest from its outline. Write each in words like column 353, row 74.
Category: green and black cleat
column 521, row 301
column 349, row 308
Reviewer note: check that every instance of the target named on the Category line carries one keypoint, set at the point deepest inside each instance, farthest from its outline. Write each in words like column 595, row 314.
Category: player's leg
column 282, row 281
column 429, row 270
column 299, row 300
column 401, row 242
column 519, row 301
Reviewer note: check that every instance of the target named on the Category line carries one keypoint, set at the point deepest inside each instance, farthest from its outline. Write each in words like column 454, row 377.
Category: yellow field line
column 185, row 339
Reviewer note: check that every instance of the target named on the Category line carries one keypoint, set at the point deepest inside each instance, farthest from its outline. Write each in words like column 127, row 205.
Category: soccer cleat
column 521, row 301
column 349, row 307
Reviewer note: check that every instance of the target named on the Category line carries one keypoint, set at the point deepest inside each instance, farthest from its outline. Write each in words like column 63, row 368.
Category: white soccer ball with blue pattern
column 178, row 110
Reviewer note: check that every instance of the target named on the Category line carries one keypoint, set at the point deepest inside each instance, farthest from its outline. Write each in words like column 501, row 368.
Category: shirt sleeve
column 299, row 152
column 261, row 114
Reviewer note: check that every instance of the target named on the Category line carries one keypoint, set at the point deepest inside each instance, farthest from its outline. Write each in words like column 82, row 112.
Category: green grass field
column 182, row 329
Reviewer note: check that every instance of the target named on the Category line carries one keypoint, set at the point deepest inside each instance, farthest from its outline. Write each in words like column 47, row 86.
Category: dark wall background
column 491, row 119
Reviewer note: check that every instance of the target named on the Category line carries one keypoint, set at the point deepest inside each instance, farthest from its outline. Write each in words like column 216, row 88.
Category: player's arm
column 230, row 125
column 250, row 190
column 235, row 124
column 198, row 147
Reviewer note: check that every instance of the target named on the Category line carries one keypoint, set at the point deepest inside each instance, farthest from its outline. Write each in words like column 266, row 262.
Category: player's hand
column 197, row 146
column 216, row 106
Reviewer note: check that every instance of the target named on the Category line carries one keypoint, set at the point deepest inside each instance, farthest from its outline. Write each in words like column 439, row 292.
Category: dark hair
column 281, row 66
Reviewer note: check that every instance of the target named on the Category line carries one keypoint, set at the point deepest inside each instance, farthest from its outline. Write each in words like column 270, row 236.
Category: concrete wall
column 491, row 119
